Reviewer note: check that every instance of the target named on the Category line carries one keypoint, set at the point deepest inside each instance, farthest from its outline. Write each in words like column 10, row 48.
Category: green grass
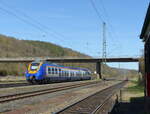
column 136, row 88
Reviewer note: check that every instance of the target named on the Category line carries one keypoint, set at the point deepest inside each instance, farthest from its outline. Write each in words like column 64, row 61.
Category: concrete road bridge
column 98, row 61
column 67, row 60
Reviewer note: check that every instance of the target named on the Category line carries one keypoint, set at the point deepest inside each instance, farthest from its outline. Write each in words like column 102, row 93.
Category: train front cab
column 34, row 72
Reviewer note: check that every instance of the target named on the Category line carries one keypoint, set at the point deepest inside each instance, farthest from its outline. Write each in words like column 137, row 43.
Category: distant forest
column 12, row 47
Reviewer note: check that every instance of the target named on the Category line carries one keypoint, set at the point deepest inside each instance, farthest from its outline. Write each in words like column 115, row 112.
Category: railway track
column 93, row 104
column 9, row 85
column 8, row 98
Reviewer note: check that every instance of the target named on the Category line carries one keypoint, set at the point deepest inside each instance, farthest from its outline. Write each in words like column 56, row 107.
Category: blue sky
column 75, row 24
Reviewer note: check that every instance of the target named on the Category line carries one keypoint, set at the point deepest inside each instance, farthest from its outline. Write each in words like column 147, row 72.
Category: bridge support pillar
column 98, row 70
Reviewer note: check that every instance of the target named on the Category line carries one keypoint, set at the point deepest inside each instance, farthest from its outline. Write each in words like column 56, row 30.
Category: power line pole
column 104, row 43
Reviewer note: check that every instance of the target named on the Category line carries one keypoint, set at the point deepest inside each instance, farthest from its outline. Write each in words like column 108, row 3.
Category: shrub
column 3, row 73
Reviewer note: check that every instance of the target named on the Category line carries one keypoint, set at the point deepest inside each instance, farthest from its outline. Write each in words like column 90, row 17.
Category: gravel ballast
column 53, row 102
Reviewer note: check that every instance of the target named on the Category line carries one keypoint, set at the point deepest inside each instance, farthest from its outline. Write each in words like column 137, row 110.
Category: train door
column 48, row 71
column 59, row 72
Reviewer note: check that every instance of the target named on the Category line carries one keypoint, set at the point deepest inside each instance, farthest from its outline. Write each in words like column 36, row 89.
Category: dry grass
column 12, row 79
column 132, row 89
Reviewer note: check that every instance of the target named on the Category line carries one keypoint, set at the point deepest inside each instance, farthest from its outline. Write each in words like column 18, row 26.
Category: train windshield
column 34, row 66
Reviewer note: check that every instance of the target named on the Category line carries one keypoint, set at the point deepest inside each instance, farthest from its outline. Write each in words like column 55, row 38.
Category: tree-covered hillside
column 12, row 47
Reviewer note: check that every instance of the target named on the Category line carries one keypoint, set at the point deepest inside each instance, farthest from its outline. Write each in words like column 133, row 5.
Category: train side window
column 52, row 70
column 49, row 70
column 69, row 73
column 73, row 73
column 59, row 72
column 65, row 73
column 55, row 70
column 62, row 73
column 86, row 73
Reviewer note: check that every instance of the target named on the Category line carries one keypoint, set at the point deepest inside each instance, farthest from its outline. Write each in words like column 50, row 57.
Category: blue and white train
column 46, row 72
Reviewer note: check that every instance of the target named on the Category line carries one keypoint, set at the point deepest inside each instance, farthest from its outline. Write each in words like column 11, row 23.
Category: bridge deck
column 72, row 60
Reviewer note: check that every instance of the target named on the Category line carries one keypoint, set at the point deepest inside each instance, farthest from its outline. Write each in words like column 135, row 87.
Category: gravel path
column 52, row 102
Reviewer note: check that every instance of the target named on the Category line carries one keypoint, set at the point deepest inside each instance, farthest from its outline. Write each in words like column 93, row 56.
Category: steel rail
column 103, row 104
column 97, row 108
column 10, row 85
column 13, row 97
